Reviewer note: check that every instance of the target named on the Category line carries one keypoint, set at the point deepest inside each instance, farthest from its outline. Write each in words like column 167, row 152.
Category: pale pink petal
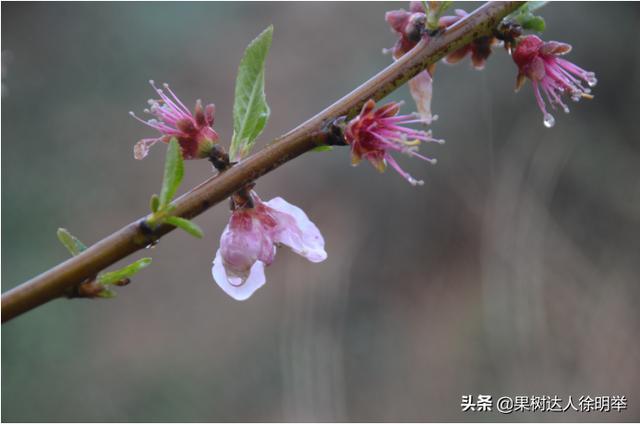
column 141, row 149
column 297, row 231
column 243, row 242
column 555, row 48
column 235, row 287
column 421, row 88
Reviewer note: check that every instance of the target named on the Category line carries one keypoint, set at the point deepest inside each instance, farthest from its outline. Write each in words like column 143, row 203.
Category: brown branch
column 133, row 237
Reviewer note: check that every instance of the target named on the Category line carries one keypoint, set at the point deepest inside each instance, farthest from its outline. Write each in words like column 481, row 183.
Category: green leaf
column 110, row 278
column 532, row 22
column 107, row 293
column 70, row 242
column 322, row 148
column 250, row 109
column 526, row 19
column 173, row 173
column 155, row 203
column 188, row 226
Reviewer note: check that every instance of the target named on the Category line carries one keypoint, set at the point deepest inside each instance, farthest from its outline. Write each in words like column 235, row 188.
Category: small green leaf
column 526, row 19
column 110, row 278
column 322, row 148
column 173, row 173
column 70, row 242
column 155, row 203
column 106, row 293
column 434, row 11
column 532, row 22
column 188, row 226
column 250, row 109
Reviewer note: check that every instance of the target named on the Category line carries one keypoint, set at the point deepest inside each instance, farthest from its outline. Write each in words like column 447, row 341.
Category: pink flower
column 248, row 243
column 540, row 62
column 172, row 119
column 409, row 26
column 479, row 49
column 374, row 134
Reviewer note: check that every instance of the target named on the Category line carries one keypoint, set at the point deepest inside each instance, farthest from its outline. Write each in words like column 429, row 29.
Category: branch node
column 220, row 159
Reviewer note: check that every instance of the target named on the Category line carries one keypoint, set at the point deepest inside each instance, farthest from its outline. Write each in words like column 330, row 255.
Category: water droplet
column 236, row 280
column 415, row 182
column 549, row 121
column 566, row 109
column 591, row 79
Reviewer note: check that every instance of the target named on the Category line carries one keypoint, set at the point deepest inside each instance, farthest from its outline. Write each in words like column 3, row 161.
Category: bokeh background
column 513, row 271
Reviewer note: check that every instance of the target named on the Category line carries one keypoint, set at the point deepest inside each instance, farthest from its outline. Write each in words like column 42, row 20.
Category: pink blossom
column 409, row 27
column 375, row 133
column 194, row 131
column 540, row 62
column 479, row 49
column 249, row 241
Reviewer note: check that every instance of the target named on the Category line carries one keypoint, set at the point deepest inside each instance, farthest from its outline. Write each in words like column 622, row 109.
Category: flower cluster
column 249, row 241
column 541, row 63
column 375, row 133
column 194, row 131
column 537, row 60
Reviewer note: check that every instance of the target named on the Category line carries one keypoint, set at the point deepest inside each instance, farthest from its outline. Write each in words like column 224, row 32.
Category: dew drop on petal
column 549, row 120
column 235, row 280
column 566, row 109
column 591, row 79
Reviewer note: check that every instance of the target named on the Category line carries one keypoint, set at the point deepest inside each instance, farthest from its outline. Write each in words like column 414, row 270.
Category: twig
column 133, row 237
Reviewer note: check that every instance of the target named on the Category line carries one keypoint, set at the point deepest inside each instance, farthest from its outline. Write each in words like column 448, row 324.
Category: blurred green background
column 513, row 271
